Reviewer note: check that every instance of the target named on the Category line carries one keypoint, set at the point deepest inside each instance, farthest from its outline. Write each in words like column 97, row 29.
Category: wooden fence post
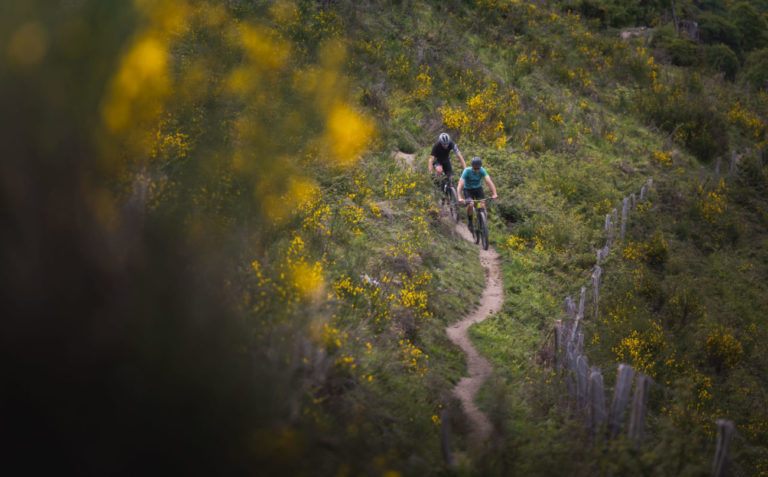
column 725, row 431
column 596, row 399
column 582, row 381
column 624, row 211
column 596, row 287
column 557, row 354
column 580, row 342
column 637, row 416
column 445, row 438
column 620, row 399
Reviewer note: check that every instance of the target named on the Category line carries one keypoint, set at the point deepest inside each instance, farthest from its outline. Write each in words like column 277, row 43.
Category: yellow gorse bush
column 413, row 358
column 723, row 349
column 642, row 348
column 424, row 84
column 662, row 159
column 713, row 203
column 148, row 91
column 749, row 122
column 484, row 115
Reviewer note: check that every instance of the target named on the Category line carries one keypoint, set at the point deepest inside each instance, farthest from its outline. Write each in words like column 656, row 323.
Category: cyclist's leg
column 439, row 180
column 478, row 194
column 468, row 196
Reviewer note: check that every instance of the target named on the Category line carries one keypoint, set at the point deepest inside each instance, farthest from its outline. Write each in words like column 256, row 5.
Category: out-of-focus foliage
column 203, row 276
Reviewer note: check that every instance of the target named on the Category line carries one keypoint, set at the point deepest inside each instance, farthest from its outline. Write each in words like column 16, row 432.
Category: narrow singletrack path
column 479, row 368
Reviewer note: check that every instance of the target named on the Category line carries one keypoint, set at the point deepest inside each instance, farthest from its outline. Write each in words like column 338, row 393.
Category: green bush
column 751, row 25
column 721, row 59
column 756, row 69
column 592, row 9
column 714, row 29
column 699, row 126
column 682, row 51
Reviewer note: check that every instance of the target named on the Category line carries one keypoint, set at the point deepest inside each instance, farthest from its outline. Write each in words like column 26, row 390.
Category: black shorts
column 474, row 194
column 445, row 165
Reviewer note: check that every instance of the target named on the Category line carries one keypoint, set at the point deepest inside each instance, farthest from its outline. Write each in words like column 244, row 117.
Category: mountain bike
column 445, row 185
column 479, row 227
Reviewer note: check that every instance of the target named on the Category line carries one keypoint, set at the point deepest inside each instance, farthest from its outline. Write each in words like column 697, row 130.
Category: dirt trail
column 478, row 367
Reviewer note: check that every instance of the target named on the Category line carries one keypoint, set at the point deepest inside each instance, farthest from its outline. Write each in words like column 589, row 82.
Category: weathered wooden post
column 632, row 200
column 637, row 416
column 596, row 399
column 624, row 210
column 445, row 438
column 582, row 381
column 596, row 286
column 579, row 314
column 570, row 307
column 733, row 162
column 643, row 191
column 620, row 399
column 580, row 342
column 557, row 354
column 725, row 431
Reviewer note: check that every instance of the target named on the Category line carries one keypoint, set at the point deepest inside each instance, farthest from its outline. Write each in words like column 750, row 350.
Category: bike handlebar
column 487, row 199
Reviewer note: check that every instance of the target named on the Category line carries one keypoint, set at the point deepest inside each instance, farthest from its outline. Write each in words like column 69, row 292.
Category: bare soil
column 478, row 367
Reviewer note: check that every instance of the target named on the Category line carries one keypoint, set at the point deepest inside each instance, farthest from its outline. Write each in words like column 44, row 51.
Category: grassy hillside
column 216, row 264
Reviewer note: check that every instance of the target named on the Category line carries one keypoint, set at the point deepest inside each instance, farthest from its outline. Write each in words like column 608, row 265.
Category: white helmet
column 444, row 139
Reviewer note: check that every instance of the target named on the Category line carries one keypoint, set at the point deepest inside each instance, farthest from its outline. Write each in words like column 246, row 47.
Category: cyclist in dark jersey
column 439, row 157
column 471, row 183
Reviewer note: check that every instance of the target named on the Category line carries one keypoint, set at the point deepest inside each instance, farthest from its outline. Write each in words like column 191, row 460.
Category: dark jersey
column 441, row 155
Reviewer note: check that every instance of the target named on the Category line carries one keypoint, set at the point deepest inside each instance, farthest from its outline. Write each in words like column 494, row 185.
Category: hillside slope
column 216, row 264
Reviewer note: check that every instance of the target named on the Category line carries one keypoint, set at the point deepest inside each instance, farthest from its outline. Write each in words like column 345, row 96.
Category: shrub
column 715, row 29
column 751, row 24
column 684, row 307
column 756, row 69
column 699, row 126
column 723, row 350
column 682, row 51
column 722, row 59
column 592, row 9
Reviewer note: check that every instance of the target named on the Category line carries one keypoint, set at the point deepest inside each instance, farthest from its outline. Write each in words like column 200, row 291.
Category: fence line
column 586, row 383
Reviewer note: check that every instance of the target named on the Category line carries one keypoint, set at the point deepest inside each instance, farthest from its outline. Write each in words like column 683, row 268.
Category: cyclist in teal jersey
column 471, row 183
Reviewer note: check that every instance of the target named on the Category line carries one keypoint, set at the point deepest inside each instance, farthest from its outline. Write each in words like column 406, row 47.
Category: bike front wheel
column 483, row 228
column 476, row 228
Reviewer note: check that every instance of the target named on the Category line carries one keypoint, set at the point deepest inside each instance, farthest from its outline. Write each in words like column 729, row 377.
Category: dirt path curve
column 478, row 367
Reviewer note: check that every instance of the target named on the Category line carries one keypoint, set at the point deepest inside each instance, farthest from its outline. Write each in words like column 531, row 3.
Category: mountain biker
column 473, row 177
column 439, row 157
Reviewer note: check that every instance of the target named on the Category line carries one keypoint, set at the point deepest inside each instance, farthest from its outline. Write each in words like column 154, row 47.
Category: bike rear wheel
column 483, row 226
column 453, row 203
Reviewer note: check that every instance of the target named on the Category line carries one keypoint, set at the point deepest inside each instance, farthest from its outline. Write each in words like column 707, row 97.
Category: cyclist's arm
column 431, row 162
column 492, row 186
column 461, row 158
column 459, row 189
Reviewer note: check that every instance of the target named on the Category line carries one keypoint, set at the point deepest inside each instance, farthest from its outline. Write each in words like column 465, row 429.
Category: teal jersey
column 472, row 179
